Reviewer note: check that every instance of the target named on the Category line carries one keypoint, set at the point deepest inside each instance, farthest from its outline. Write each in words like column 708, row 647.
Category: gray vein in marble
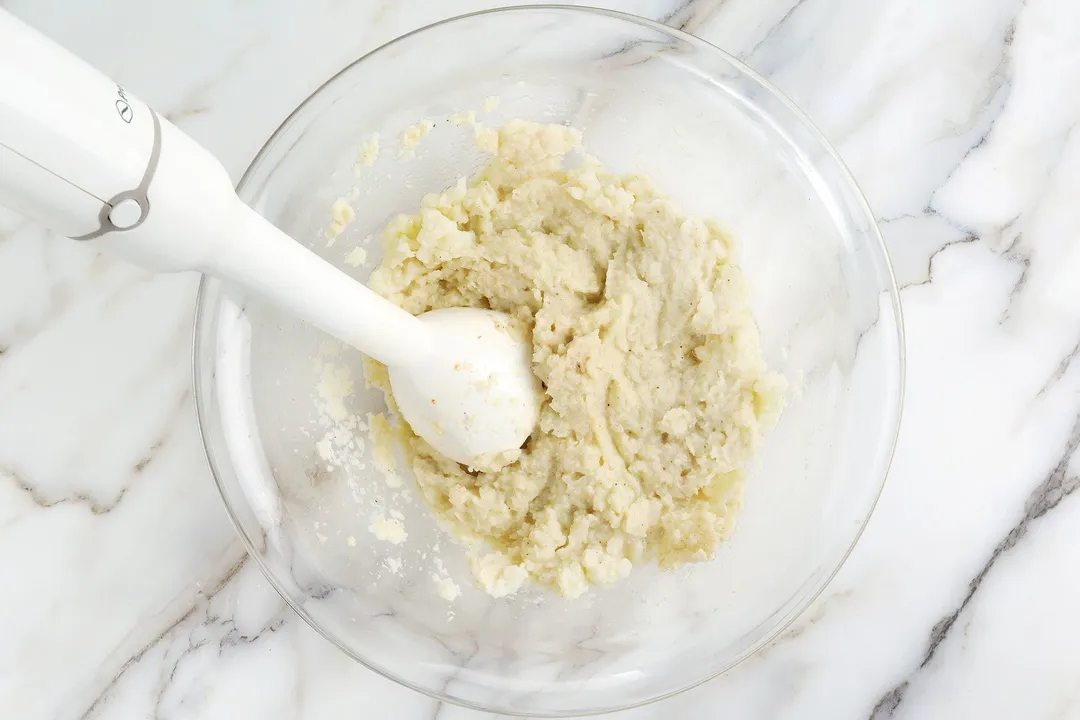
column 462, row 662
column 691, row 15
column 926, row 212
column 180, row 409
column 985, row 109
column 688, row 16
column 594, row 655
column 192, row 103
column 1023, row 259
column 981, row 121
column 1043, row 499
column 984, row 115
column 235, row 638
column 99, row 703
column 63, row 294
column 18, row 336
column 966, row 240
column 990, row 110
column 816, row 613
column 102, row 699
column 441, row 706
column 1060, row 370
column 999, row 87
column 777, row 26
column 177, row 115
column 97, row 505
column 94, row 505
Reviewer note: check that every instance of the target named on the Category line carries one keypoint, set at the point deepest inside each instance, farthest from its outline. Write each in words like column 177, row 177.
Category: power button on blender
column 126, row 214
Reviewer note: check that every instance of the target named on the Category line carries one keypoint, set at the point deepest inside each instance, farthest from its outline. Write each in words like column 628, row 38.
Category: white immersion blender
column 83, row 156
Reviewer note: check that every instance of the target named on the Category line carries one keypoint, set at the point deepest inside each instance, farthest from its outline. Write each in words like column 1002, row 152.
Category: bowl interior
column 711, row 134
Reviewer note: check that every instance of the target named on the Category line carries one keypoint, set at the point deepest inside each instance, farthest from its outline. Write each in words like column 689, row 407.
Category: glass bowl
column 708, row 131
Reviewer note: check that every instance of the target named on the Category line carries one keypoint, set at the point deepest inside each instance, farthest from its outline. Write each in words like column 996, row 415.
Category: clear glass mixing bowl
column 711, row 133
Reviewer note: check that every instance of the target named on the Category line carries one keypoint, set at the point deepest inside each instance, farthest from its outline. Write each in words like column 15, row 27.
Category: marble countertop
column 126, row 593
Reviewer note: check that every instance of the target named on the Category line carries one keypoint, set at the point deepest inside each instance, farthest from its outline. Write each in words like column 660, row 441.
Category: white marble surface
column 125, row 592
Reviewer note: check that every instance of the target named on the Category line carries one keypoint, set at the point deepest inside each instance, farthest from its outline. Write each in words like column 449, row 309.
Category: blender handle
column 73, row 144
column 87, row 159
column 78, row 153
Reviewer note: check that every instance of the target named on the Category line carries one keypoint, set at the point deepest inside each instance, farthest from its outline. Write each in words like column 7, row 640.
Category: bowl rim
column 891, row 288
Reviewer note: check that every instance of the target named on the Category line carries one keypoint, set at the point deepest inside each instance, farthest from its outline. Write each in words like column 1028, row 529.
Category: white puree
column 657, row 392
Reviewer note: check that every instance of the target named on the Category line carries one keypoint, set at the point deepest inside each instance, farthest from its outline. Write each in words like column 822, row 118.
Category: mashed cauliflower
column 657, row 393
